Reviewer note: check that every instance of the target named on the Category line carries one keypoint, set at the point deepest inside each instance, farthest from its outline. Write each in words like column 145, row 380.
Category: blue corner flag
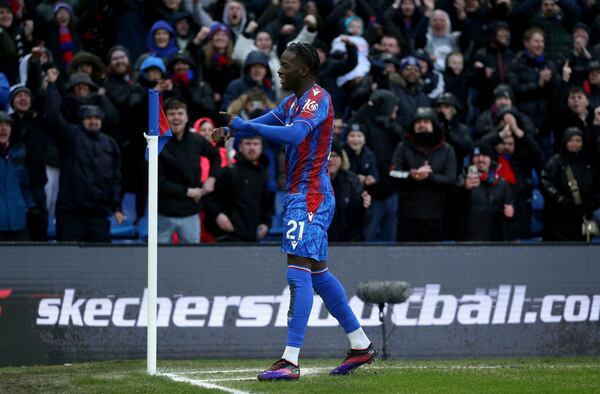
column 157, row 120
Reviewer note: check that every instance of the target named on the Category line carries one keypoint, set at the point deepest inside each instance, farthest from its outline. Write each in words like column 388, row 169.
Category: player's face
column 177, row 118
column 251, row 148
column 291, row 72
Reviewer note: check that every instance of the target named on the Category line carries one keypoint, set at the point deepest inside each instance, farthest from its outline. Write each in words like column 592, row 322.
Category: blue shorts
column 306, row 218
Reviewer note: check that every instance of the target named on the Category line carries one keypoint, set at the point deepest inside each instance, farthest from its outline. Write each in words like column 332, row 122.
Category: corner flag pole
column 152, row 139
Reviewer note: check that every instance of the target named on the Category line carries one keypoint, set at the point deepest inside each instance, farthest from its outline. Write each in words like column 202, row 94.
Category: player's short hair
column 174, row 103
column 308, row 54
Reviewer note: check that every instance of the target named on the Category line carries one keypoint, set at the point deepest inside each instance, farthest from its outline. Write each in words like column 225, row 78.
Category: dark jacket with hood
column 242, row 194
column 482, row 207
column 241, row 85
column 187, row 87
column 90, row 181
column 349, row 216
column 382, row 135
column 409, row 98
column 424, row 200
column 404, row 30
column 562, row 216
column 532, row 99
column 179, row 169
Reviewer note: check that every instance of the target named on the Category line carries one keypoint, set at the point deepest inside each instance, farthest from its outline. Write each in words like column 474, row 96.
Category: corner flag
column 157, row 120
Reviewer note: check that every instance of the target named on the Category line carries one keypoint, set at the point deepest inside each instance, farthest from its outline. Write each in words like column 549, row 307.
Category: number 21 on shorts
column 293, row 226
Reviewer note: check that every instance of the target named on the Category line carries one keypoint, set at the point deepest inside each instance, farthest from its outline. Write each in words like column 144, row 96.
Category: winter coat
column 459, row 138
column 483, row 212
column 409, row 99
column 562, row 217
column 406, row 32
column 531, row 99
column 242, row 194
column 72, row 103
column 90, row 179
column 364, row 163
column 15, row 195
column 179, row 169
column 424, row 200
column 488, row 120
column 349, row 216
column 498, row 59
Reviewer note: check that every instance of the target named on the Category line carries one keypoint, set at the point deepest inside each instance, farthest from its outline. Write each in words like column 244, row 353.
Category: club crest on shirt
column 310, row 105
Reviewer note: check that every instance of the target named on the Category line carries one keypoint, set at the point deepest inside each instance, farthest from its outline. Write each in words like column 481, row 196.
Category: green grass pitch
column 527, row 375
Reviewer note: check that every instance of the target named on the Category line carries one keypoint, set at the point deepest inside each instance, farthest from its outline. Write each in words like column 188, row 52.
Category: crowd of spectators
column 454, row 119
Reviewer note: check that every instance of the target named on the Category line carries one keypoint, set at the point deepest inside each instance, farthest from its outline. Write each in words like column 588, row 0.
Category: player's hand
column 224, row 223
column 366, row 198
column 261, row 231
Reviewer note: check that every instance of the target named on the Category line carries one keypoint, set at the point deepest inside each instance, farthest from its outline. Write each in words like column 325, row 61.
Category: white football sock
column 358, row 339
column 291, row 354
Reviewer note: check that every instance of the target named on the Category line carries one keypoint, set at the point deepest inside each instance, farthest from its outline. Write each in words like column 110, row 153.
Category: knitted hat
column 485, row 149
column 4, row 118
column 87, row 111
column 218, row 26
column 60, row 4
column 16, row 89
column 409, row 61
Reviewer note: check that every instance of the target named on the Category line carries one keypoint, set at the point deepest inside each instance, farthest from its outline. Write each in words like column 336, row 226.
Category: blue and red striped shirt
column 306, row 163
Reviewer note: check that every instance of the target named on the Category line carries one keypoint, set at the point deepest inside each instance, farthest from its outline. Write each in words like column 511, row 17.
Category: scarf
column 219, row 59
column 505, row 170
column 67, row 46
column 491, row 177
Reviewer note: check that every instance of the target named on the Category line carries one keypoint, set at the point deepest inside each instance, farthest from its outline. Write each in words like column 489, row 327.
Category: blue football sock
column 334, row 296
column 301, row 301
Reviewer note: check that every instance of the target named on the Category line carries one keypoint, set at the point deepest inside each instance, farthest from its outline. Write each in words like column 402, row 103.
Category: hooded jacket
column 562, row 216
column 171, row 48
column 424, row 200
column 241, row 85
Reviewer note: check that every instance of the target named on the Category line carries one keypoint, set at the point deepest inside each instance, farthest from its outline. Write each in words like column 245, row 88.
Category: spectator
column 503, row 99
column 441, row 40
column 29, row 130
column 242, row 206
column 579, row 56
column 166, row 9
column 205, row 127
column 555, row 19
column 333, row 66
column 408, row 87
column 592, row 83
column 405, row 21
column 378, row 116
column 361, row 159
column 188, row 87
column 119, row 79
column 235, row 17
column 433, row 80
column 427, row 166
column 9, row 58
column 532, row 77
column 90, row 182
column 219, row 67
column 489, row 66
column 256, row 74
column 571, row 189
column 90, row 64
column 456, row 81
column 180, row 190
column 339, row 127
column 185, row 28
column 485, row 199
column 351, row 200
column 518, row 156
column 251, row 104
column 97, row 27
column 81, row 90
column 576, row 114
column 284, row 22
column 353, row 32
column 62, row 38
column 15, row 196
column 161, row 40
column 456, row 133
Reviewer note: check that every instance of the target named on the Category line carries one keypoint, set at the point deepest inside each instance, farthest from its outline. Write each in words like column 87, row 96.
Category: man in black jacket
column 242, row 205
column 90, row 181
column 425, row 170
column 180, row 190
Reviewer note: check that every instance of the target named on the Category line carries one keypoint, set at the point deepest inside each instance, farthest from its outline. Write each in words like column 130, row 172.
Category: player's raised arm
column 288, row 135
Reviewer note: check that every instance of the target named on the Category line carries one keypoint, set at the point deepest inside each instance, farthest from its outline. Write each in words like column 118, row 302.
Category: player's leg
column 333, row 294
column 301, row 300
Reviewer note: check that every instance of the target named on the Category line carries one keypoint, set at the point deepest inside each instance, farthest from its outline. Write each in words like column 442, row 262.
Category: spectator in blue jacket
column 256, row 73
column 15, row 196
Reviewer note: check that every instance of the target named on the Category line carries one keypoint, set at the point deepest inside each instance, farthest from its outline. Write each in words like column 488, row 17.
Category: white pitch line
column 201, row 383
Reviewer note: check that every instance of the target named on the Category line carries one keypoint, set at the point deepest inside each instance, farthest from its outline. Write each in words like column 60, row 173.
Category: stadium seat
column 125, row 230
column 51, row 228
column 143, row 228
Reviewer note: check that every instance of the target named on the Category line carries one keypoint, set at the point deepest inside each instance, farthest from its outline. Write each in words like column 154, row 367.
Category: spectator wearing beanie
column 427, row 165
column 408, row 88
column 485, row 199
column 219, row 68
column 90, row 182
column 351, row 200
column 62, row 38
column 15, row 196
column 189, row 87
column 361, row 158
column 433, row 79
column 456, row 133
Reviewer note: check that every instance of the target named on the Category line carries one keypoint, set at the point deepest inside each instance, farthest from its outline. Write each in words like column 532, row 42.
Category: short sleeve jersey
column 306, row 163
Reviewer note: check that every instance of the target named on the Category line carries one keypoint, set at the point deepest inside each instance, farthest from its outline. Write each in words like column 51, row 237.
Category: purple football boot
column 354, row 359
column 281, row 370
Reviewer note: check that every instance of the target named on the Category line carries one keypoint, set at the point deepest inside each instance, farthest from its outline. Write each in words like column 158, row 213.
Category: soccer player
column 304, row 123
